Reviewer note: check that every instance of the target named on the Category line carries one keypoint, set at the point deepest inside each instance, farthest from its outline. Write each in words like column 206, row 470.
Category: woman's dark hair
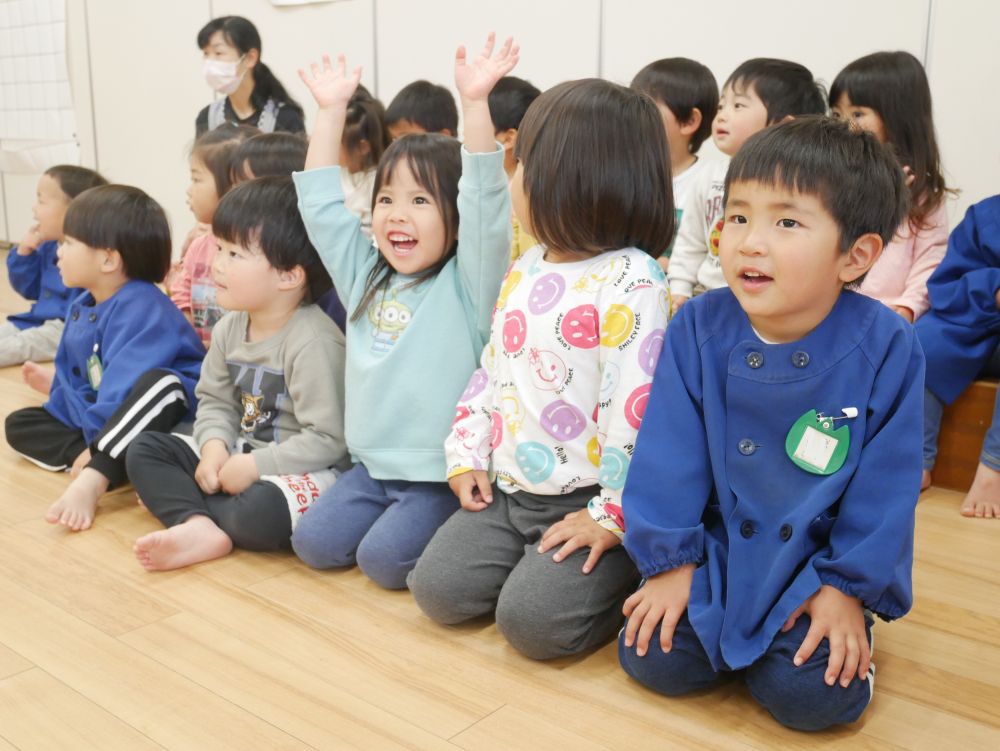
column 263, row 213
column 682, row 86
column 894, row 84
column 217, row 148
column 365, row 122
column 509, row 100
column 125, row 219
column 436, row 163
column 269, row 155
column 428, row 105
column 243, row 35
column 786, row 89
column 74, row 180
column 857, row 179
column 596, row 169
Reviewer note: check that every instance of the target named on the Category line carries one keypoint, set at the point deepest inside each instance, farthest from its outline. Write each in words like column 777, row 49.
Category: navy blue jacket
column 133, row 331
column 36, row 277
column 711, row 483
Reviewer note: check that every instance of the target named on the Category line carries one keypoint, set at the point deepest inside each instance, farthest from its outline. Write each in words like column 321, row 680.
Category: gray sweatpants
column 38, row 343
column 488, row 560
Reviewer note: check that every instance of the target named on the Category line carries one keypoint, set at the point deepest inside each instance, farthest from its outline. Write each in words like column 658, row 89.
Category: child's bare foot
column 197, row 539
column 925, row 480
column 983, row 498
column 78, row 503
column 39, row 377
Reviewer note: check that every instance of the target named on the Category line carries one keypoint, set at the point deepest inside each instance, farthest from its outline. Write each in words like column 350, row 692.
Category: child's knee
column 534, row 629
column 440, row 589
column 799, row 698
column 382, row 564
column 674, row 673
column 318, row 548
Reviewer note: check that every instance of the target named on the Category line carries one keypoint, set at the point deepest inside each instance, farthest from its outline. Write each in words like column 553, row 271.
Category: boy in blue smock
column 770, row 501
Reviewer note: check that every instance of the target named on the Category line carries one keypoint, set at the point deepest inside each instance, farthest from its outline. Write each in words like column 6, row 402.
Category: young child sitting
column 552, row 414
column 687, row 96
column 128, row 361
column 960, row 335
column 422, row 107
column 770, row 501
column 509, row 100
column 269, row 155
column 887, row 94
column 31, row 267
column 269, row 432
column 760, row 92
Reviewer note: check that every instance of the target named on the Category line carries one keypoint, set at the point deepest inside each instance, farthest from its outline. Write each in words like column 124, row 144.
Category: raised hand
column 475, row 80
column 330, row 85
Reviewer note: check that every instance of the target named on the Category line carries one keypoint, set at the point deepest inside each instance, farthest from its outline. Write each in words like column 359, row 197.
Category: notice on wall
column 37, row 120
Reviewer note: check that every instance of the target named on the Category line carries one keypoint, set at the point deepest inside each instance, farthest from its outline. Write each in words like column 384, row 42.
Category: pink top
column 899, row 276
column 193, row 289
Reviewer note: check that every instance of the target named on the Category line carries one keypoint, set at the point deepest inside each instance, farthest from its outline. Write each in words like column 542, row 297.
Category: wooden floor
column 259, row 652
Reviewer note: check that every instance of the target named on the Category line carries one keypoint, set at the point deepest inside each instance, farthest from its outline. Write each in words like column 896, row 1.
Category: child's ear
column 112, row 261
column 507, row 138
column 691, row 125
column 292, row 278
column 861, row 257
column 447, row 132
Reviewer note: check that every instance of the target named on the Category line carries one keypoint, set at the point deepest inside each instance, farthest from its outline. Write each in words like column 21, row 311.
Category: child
column 269, row 155
column 509, row 100
column 687, row 96
column 192, row 289
column 127, row 360
column 780, row 451
column 760, row 92
column 365, row 139
column 960, row 334
column 419, row 307
column 887, row 94
column 553, row 412
column 31, row 267
column 270, row 399
column 422, row 107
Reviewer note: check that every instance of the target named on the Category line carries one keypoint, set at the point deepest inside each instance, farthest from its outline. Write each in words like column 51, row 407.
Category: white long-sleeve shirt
column 695, row 257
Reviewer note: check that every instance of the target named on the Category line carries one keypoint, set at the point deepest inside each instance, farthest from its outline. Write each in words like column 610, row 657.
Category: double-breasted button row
column 747, row 531
column 755, row 359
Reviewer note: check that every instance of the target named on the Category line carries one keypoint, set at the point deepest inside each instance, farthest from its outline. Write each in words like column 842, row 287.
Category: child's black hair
column 428, row 105
column 364, row 125
column 74, row 180
column 436, row 163
column 509, row 100
column 857, row 179
column 125, row 219
column 894, row 84
column 269, row 155
column 263, row 214
column 243, row 35
column 682, row 85
column 216, row 149
column 787, row 89
column 596, row 169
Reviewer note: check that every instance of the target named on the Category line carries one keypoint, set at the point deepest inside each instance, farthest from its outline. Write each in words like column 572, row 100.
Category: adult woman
column 251, row 93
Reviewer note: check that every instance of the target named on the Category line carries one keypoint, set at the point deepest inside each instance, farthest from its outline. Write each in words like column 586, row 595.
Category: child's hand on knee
column 578, row 530
column 79, row 463
column 473, row 489
column 840, row 619
column 661, row 600
column 214, row 454
column 238, row 473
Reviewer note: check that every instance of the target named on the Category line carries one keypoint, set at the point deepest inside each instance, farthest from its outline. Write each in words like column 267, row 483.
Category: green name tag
column 816, row 445
column 95, row 371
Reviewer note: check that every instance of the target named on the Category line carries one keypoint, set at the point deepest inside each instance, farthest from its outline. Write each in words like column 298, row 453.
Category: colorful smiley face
column 546, row 293
column 536, row 461
column 580, row 327
column 515, row 331
column 649, row 351
column 547, row 369
column 562, row 421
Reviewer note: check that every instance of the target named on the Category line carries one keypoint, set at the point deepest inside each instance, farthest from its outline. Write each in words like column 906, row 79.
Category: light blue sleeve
column 335, row 231
column 484, row 235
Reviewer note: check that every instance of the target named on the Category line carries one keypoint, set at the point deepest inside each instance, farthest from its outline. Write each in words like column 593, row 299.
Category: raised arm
column 332, row 89
column 474, row 81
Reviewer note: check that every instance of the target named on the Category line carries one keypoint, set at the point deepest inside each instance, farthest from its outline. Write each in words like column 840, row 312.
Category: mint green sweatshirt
column 410, row 357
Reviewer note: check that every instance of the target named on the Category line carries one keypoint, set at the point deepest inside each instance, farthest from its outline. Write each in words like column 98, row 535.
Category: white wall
column 137, row 83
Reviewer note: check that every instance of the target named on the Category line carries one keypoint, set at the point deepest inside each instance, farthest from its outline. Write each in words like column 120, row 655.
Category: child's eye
column 788, row 223
column 384, row 200
column 420, row 200
column 857, row 115
column 233, row 254
column 738, row 106
column 736, row 219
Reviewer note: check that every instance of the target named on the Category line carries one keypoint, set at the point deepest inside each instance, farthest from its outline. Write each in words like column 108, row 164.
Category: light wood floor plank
column 12, row 663
column 30, row 720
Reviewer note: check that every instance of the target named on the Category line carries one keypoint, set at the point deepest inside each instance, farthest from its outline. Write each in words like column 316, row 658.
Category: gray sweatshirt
column 284, row 396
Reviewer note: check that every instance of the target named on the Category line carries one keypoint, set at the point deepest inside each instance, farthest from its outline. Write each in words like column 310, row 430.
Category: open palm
column 475, row 80
column 331, row 85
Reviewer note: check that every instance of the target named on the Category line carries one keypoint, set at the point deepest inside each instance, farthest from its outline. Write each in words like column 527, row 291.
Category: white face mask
column 222, row 75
